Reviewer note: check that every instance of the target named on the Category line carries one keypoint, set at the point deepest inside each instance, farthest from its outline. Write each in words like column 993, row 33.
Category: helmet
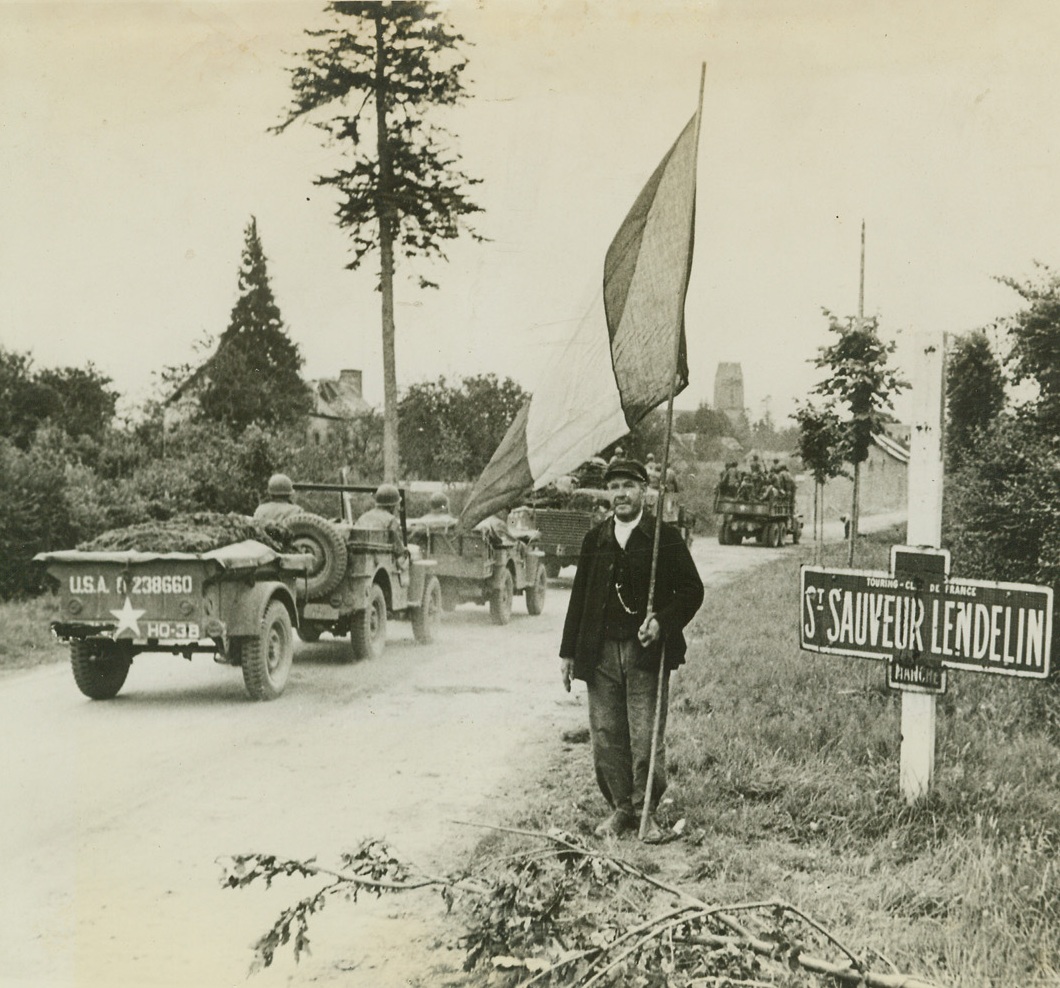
column 439, row 502
column 280, row 485
column 387, row 496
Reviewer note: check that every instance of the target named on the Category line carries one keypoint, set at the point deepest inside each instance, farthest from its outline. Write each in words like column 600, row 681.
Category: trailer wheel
column 368, row 627
column 268, row 655
column 552, row 568
column 426, row 617
column 501, row 599
column 535, row 595
column 99, row 667
column 319, row 538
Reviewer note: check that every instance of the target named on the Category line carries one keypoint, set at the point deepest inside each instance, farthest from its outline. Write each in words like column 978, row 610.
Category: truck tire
column 775, row 535
column 724, row 536
column 501, row 598
column 535, row 595
column 796, row 532
column 426, row 617
column 268, row 655
column 368, row 627
column 320, row 539
column 99, row 668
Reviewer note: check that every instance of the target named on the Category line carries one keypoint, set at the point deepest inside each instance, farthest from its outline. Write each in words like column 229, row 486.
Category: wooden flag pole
column 645, row 814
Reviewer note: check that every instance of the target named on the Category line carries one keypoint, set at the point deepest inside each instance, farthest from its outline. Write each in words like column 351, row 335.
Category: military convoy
column 243, row 602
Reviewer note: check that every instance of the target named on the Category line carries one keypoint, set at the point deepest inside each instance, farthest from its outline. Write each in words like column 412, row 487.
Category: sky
column 135, row 146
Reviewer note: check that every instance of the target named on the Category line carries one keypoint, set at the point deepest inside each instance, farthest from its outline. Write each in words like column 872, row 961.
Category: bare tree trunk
column 854, row 514
column 387, row 225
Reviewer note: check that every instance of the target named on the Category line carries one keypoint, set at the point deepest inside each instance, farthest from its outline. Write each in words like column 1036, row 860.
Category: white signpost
column 918, row 617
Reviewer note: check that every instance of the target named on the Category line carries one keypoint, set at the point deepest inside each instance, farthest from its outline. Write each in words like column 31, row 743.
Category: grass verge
column 27, row 640
column 785, row 766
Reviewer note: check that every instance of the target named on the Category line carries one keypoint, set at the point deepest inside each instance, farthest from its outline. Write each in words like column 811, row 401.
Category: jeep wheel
column 309, row 632
column 99, row 667
column 426, row 617
column 319, row 538
column 535, row 595
column 552, row 568
column 368, row 626
column 501, row 598
column 268, row 655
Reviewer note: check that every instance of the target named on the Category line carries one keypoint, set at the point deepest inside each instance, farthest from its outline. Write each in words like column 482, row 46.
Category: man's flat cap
column 626, row 468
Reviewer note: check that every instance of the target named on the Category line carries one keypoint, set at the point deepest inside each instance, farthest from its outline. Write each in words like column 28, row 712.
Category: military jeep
column 359, row 579
column 488, row 568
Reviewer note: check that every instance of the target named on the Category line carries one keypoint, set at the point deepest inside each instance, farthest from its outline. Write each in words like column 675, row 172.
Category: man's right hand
column 566, row 668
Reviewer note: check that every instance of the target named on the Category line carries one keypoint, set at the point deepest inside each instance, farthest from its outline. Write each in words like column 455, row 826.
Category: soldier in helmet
column 279, row 500
column 438, row 518
column 382, row 515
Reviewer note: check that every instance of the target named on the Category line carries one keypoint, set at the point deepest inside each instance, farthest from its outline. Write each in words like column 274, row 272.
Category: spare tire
column 321, row 539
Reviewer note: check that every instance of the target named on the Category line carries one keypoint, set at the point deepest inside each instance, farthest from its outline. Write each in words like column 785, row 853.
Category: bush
column 34, row 515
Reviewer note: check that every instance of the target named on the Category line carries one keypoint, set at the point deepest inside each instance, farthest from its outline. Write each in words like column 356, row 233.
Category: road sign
column 928, row 619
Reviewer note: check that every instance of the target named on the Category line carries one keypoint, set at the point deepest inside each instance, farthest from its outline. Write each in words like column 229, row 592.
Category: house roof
column 892, row 447
column 337, row 399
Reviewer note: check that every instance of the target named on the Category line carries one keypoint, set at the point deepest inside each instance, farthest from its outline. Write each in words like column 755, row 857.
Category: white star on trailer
column 128, row 619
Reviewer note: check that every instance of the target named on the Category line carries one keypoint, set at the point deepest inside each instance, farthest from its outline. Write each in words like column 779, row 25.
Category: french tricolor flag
column 602, row 385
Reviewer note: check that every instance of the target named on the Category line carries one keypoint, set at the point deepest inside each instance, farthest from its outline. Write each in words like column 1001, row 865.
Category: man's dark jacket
column 678, row 592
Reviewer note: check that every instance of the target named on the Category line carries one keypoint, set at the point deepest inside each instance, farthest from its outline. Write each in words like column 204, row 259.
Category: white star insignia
column 128, row 619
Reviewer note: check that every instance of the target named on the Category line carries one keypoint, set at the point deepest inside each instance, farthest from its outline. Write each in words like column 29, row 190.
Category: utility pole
column 856, row 496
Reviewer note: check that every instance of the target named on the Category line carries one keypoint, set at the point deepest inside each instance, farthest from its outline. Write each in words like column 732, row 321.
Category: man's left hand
column 649, row 631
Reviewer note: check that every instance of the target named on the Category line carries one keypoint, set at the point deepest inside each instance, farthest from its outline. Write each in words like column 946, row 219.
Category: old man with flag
column 636, row 586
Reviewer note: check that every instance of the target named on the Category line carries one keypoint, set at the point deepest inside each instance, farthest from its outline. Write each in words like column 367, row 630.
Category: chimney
column 351, row 379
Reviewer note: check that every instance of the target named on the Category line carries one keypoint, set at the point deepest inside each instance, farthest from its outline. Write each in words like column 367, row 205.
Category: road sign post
column 919, row 617
column 924, row 527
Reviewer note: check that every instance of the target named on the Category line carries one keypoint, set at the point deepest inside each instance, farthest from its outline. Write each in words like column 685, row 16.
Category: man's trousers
column 621, row 717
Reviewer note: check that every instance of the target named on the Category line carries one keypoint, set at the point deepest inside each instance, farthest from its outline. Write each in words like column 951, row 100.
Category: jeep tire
column 99, row 667
column 267, row 656
column 319, row 538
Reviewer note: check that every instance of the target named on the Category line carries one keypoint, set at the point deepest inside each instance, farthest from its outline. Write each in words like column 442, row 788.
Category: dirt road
column 113, row 813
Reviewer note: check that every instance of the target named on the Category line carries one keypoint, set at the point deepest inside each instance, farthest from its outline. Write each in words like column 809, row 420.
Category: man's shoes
column 653, row 833
column 618, row 823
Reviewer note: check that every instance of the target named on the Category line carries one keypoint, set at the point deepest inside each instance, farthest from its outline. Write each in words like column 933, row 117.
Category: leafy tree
column 24, row 401
column 861, row 381
column 1034, row 333
column 975, row 393
column 84, row 400
column 705, row 421
column 254, row 374
column 450, row 432
column 401, row 191
column 821, row 448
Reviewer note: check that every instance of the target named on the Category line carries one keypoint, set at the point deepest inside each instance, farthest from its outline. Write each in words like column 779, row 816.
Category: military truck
column 562, row 528
column 358, row 579
column 483, row 568
column 769, row 519
column 239, row 602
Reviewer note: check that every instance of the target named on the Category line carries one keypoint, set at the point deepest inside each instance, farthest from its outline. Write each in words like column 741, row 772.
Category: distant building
column 884, row 482
column 335, row 400
column 728, row 394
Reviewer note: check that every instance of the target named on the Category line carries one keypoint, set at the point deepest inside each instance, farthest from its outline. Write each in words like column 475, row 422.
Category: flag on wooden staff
column 600, row 386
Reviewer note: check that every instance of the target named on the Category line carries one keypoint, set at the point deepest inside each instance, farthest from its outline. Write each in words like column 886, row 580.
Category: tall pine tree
column 254, row 375
column 399, row 188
